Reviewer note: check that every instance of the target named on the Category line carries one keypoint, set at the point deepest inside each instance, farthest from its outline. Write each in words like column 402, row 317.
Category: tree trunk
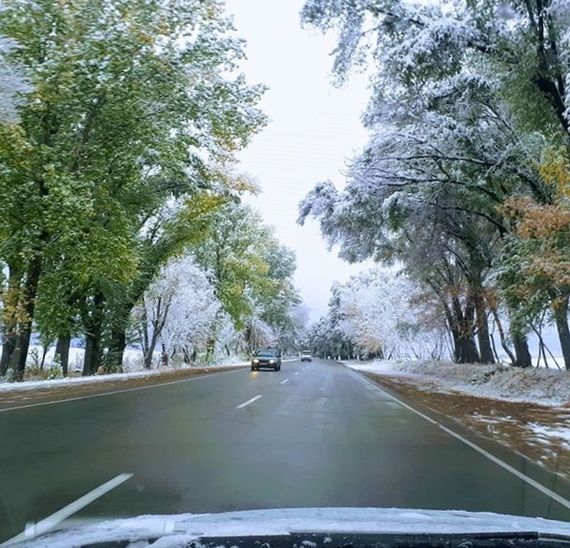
column 561, row 318
column 93, row 331
column 92, row 353
column 150, row 350
column 160, row 314
column 30, row 289
column 114, row 361
column 467, row 351
column 10, row 324
column 453, row 330
column 164, row 360
column 465, row 347
column 502, row 334
column 483, row 336
column 542, row 351
column 45, row 350
column 62, row 351
column 522, row 353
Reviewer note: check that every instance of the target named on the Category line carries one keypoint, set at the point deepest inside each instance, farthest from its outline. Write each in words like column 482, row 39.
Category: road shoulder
column 18, row 395
column 535, row 431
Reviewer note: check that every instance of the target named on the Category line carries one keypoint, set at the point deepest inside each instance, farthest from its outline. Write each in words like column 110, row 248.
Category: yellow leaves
column 195, row 219
column 145, row 38
column 550, row 264
column 243, row 184
column 14, row 306
column 14, row 145
column 543, row 248
column 544, row 222
column 536, row 220
column 555, row 170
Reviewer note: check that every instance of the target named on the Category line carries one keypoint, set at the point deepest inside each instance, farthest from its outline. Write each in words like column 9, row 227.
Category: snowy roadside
column 543, row 386
column 527, row 410
column 112, row 377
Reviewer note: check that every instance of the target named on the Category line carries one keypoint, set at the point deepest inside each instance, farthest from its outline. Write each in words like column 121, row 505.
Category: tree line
column 379, row 313
column 465, row 177
column 120, row 124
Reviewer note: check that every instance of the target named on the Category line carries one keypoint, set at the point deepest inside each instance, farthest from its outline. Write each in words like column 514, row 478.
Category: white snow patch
column 548, row 434
column 534, row 385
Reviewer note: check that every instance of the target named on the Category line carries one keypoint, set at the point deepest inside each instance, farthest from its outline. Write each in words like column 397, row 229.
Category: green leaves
column 135, row 109
column 250, row 270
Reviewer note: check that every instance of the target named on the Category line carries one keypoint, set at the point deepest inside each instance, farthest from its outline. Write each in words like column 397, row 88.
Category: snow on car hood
column 176, row 530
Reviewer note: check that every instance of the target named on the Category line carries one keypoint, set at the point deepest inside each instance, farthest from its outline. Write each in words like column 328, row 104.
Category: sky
column 314, row 130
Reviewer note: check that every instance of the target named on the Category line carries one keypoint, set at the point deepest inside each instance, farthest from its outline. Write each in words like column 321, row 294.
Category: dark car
column 268, row 357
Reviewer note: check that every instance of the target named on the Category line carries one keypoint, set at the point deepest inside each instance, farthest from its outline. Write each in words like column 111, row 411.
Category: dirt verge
column 16, row 397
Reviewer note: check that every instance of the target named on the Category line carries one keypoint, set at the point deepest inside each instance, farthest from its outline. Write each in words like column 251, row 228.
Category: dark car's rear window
column 266, row 353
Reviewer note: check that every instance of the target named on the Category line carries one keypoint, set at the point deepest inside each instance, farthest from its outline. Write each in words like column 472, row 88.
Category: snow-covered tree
column 452, row 140
column 13, row 84
column 177, row 312
column 252, row 274
column 377, row 313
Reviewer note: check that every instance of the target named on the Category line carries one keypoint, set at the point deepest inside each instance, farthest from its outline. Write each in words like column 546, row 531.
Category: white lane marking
column 297, row 373
column 246, row 403
column 545, row 490
column 50, row 522
column 197, row 378
column 284, row 381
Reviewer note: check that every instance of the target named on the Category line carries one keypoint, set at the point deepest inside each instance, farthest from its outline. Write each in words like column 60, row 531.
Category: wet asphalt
column 319, row 436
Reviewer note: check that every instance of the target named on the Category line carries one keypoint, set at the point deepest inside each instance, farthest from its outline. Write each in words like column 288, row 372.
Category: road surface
column 312, row 435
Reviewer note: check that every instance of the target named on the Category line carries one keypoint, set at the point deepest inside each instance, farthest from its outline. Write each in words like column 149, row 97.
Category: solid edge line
column 284, row 381
column 246, row 403
column 545, row 490
column 196, row 378
column 50, row 522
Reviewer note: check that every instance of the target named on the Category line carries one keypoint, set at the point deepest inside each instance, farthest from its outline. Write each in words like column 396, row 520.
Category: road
column 313, row 434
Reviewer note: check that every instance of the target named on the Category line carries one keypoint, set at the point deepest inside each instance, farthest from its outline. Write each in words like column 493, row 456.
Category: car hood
column 178, row 530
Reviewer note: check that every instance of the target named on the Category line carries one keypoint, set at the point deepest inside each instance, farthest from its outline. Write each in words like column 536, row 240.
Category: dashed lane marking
column 248, row 402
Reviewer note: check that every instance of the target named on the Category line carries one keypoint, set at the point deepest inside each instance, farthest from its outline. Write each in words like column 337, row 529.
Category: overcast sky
column 314, row 130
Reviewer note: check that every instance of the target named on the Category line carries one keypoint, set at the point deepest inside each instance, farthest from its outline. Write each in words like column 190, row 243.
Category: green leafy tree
column 133, row 103
column 251, row 273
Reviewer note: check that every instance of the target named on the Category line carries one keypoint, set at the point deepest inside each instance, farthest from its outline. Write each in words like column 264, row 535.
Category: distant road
column 314, row 434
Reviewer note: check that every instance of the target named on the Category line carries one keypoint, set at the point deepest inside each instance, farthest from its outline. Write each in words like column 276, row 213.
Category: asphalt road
column 313, row 434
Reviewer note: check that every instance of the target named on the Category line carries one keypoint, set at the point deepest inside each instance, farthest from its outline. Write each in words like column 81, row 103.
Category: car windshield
column 270, row 255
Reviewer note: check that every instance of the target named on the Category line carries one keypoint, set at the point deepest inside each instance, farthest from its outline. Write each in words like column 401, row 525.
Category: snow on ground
column 31, row 385
column 132, row 358
column 548, row 434
column 542, row 386
column 132, row 366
